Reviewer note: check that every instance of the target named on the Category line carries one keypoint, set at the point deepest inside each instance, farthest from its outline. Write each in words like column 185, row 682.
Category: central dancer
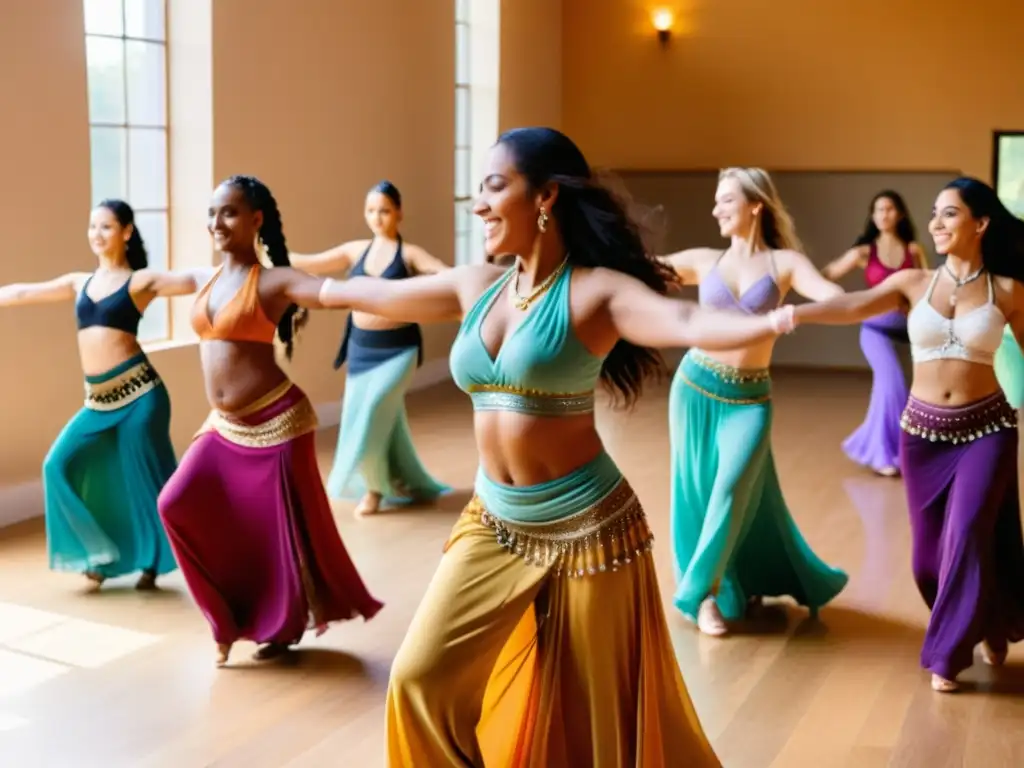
column 541, row 640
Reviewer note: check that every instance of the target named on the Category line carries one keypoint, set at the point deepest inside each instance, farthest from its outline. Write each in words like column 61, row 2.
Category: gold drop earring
column 542, row 221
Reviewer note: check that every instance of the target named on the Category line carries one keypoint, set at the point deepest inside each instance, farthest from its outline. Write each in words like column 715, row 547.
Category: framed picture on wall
column 1008, row 169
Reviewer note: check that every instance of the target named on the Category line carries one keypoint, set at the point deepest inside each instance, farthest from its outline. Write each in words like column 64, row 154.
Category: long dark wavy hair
column 599, row 230
column 1002, row 245
column 135, row 249
column 258, row 195
column 905, row 229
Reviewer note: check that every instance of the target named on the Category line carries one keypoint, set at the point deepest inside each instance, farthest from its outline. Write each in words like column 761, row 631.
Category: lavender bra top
column 761, row 297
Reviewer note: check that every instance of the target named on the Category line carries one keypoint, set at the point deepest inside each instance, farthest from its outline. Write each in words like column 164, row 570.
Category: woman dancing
column 246, row 511
column 376, row 460
column 734, row 540
column 541, row 639
column 887, row 245
column 104, row 472
column 959, row 435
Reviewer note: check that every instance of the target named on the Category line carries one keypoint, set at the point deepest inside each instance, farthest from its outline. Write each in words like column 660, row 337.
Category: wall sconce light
column 663, row 19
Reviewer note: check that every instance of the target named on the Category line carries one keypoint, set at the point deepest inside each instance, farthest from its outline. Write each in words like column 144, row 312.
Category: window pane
column 462, row 253
column 145, row 18
column 462, row 10
column 463, row 117
column 146, row 83
column 108, row 163
column 104, row 17
column 152, row 226
column 155, row 323
column 105, row 65
column 147, row 168
column 461, row 54
column 463, row 173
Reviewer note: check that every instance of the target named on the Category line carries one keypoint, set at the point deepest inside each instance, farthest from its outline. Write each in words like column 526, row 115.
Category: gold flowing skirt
column 544, row 662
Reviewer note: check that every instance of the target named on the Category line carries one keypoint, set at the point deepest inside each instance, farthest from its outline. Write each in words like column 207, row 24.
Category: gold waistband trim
column 729, row 373
column 721, row 398
column 298, row 420
column 602, row 537
column 123, row 389
column 268, row 399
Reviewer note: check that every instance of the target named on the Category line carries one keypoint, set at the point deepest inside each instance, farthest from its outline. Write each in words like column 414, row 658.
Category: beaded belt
column 726, row 374
column 604, row 536
column 299, row 419
column 962, row 424
column 531, row 402
column 123, row 389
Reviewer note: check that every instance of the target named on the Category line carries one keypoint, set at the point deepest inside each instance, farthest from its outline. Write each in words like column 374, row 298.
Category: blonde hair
column 777, row 229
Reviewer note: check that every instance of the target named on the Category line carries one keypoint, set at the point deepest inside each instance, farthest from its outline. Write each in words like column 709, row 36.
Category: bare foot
column 223, row 651
column 942, row 685
column 147, row 581
column 270, row 651
column 991, row 657
column 96, row 579
column 368, row 505
column 889, row 472
column 709, row 619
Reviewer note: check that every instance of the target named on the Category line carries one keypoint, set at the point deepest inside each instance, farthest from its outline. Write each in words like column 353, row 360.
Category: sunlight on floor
column 37, row 646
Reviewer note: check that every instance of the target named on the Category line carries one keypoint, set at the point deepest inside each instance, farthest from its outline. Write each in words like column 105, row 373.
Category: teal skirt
column 375, row 450
column 732, row 533
column 1009, row 365
column 103, row 474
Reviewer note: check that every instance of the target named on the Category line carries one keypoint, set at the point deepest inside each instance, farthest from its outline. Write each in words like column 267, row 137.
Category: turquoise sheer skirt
column 1009, row 365
column 732, row 533
column 103, row 474
column 375, row 450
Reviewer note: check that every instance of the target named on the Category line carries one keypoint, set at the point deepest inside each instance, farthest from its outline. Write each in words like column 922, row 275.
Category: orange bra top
column 241, row 319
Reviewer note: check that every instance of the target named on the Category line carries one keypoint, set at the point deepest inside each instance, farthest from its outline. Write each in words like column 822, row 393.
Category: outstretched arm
column 648, row 319
column 422, row 262
column 431, row 298
column 851, row 308
column 845, row 264
column 687, row 263
column 340, row 258
column 808, row 281
column 63, row 288
column 180, row 283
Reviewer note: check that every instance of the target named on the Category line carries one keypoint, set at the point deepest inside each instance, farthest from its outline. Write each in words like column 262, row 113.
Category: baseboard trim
column 24, row 501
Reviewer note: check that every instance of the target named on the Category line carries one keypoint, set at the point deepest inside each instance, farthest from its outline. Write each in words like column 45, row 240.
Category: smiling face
column 885, row 215
column 107, row 237
column 508, row 207
column 953, row 228
column 735, row 214
column 231, row 221
column 382, row 215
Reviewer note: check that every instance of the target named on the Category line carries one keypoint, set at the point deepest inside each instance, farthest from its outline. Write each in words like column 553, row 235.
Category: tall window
column 476, row 113
column 126, row 56
column 463, row 137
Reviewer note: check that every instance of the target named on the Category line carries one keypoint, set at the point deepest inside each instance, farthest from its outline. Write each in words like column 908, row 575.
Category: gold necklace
column 522, row 303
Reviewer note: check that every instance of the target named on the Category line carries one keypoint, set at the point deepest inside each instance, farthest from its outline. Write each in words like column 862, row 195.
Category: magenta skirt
column 252, row 528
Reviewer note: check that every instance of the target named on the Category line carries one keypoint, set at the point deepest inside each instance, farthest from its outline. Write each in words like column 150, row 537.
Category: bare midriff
column 102, row 349
column 237, row 373
column 953, row 383
column 522, row 450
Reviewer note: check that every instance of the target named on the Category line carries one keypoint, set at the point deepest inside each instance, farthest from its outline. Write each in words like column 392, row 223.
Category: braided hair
column 258, row 195
column 135, row 250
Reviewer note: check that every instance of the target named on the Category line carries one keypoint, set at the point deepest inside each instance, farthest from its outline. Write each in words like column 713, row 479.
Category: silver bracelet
column 325, row 287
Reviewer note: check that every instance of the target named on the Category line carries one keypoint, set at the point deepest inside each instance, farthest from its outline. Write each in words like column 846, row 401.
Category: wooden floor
column 123, row 679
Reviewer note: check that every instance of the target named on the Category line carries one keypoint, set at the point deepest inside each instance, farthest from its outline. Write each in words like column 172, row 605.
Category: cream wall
column 791, row 84
column 531, row 63
column 319, row 104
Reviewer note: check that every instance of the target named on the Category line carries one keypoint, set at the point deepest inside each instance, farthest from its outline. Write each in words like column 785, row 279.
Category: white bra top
column 973, row 336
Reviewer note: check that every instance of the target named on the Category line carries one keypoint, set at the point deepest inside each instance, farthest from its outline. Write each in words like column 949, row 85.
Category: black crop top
column 116, row 311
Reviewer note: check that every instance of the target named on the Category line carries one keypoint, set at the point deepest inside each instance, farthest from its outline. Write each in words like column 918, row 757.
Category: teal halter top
column 542, row 369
